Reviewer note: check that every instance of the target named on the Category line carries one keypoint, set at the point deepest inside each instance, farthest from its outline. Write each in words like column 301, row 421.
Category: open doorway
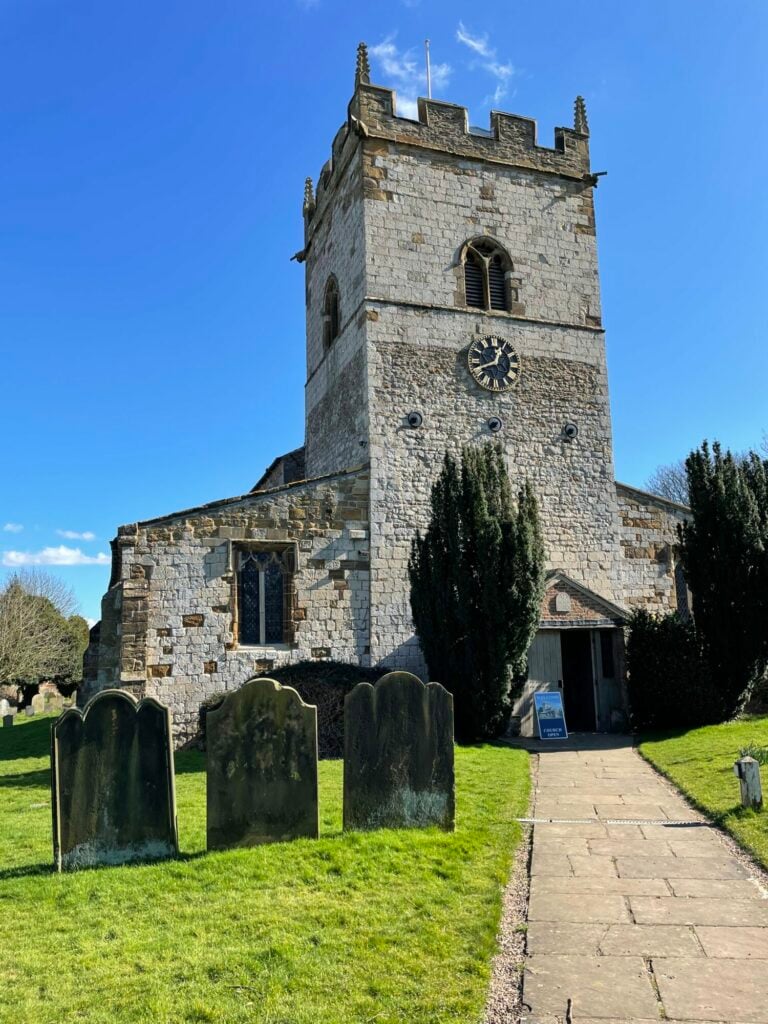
column 578, row 680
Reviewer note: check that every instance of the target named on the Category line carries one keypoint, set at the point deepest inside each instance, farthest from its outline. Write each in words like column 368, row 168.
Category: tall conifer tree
column 477, row 580
column 725, row 559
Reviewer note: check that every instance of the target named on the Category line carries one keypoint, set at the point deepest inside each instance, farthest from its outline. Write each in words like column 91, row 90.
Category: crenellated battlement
column 444, row 127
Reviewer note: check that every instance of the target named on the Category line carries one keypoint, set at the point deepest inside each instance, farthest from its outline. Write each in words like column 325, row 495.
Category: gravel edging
column 505, row 992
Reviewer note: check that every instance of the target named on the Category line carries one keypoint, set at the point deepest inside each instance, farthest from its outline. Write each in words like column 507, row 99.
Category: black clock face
column 494, row 363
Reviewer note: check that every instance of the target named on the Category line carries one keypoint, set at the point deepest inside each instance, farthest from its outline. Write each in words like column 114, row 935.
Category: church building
column 452, row 298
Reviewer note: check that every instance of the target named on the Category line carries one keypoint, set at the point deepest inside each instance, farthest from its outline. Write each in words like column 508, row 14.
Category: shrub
column 322, row 683
column 667, row 679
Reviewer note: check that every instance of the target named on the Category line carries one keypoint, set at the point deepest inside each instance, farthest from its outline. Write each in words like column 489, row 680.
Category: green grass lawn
column 700, row 763
column 377, row 927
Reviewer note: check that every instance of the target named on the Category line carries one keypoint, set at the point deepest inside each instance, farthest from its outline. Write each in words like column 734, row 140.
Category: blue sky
column 151, row 324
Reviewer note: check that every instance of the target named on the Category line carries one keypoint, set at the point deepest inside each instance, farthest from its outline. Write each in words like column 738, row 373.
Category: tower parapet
column 445, row 127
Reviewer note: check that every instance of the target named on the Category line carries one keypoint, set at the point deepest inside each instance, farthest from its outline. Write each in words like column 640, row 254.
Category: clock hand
column 493, row 362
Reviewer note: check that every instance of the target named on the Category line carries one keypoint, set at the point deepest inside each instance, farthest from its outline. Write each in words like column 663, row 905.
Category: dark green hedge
column 322, row 683
column 668, row 682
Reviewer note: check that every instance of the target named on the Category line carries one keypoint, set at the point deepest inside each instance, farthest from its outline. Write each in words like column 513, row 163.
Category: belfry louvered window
column 331, row 313
column 261, row 591
column 486, row 270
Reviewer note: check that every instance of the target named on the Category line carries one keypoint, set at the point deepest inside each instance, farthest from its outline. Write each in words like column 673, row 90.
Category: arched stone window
column 487, row 270
column 263, row 593
column 331, row 313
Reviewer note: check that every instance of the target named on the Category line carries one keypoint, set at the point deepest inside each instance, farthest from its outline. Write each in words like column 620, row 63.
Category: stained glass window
column 261, row 593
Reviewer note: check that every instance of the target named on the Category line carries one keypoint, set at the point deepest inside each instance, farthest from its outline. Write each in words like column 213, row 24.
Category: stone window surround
column 513, row 284
column 289, row 621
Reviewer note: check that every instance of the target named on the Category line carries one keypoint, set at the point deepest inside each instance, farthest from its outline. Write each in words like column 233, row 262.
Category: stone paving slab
column 713, row 990
column 714, row 888
column 578, row 830
column 574, row 908
column 554, row 937
column 734, row 943
column 698, row 910
column 629, row 848
column 592, row 885
column 680, row 867
column 544, row 862
column 597, row 987
column 602, row 867
column 650, row 940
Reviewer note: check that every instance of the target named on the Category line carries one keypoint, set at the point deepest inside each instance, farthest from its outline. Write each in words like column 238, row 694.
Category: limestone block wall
column 169, row 626
column 336, row 419
column 428, row 205
column 649, row 543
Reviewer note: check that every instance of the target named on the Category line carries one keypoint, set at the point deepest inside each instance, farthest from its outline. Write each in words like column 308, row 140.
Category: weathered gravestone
column 112, row 782
column 262, row 767
column 53, row 702
column 398, row 754
column 5, row 707
column 38, row 703
column 29, row 711
column 8, row 720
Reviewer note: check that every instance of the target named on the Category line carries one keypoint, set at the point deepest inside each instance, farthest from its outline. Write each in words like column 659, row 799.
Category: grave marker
column 262, row 767
column 112, row 782
column 398, row 754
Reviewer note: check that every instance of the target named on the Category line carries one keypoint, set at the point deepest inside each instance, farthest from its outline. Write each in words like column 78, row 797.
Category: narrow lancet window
column 331, row 313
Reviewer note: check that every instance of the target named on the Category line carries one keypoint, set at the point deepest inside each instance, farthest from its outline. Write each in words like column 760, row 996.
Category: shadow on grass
column 31, row 739
column 40, row 779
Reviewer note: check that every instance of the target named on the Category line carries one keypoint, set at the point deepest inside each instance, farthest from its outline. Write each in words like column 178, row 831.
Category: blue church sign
column 550, row 716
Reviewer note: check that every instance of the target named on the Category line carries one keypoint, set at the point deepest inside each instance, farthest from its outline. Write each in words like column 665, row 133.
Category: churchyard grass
column 386, row 926
column 700, row 763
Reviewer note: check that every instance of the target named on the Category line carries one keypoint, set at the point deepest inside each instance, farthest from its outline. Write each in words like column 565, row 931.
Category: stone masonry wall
column 649, row 542
column 180, row 645
column 336, row 410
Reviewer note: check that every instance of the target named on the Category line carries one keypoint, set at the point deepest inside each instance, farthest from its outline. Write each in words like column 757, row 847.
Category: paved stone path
column 636, row 921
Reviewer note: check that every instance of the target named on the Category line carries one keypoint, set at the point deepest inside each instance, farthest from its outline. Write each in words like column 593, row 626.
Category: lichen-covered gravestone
column 262, row 767
column 398, row 754
column 112, row 783
column 38, row 703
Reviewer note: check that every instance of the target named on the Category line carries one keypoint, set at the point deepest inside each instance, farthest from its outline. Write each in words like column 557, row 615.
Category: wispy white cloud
column 13, row 528
column 61, row 555
column 485, row 57
column 91, row 622
column 406, row 70
column 76, row 535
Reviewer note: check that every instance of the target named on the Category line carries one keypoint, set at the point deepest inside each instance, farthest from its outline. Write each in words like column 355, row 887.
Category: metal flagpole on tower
column 429, row 70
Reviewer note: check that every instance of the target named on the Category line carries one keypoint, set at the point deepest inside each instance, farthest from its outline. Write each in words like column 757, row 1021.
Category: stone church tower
column 452, row 296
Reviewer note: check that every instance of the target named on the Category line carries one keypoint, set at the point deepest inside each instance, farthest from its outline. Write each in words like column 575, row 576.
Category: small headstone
column 113, row 783
column 29, row 711
column 262, row 767
column 38, row 703
column 54, row 702
column 398, row 754
column 8, row 721
column 5, row 707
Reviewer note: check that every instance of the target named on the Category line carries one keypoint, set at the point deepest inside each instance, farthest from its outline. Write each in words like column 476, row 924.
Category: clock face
column 494, row 363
